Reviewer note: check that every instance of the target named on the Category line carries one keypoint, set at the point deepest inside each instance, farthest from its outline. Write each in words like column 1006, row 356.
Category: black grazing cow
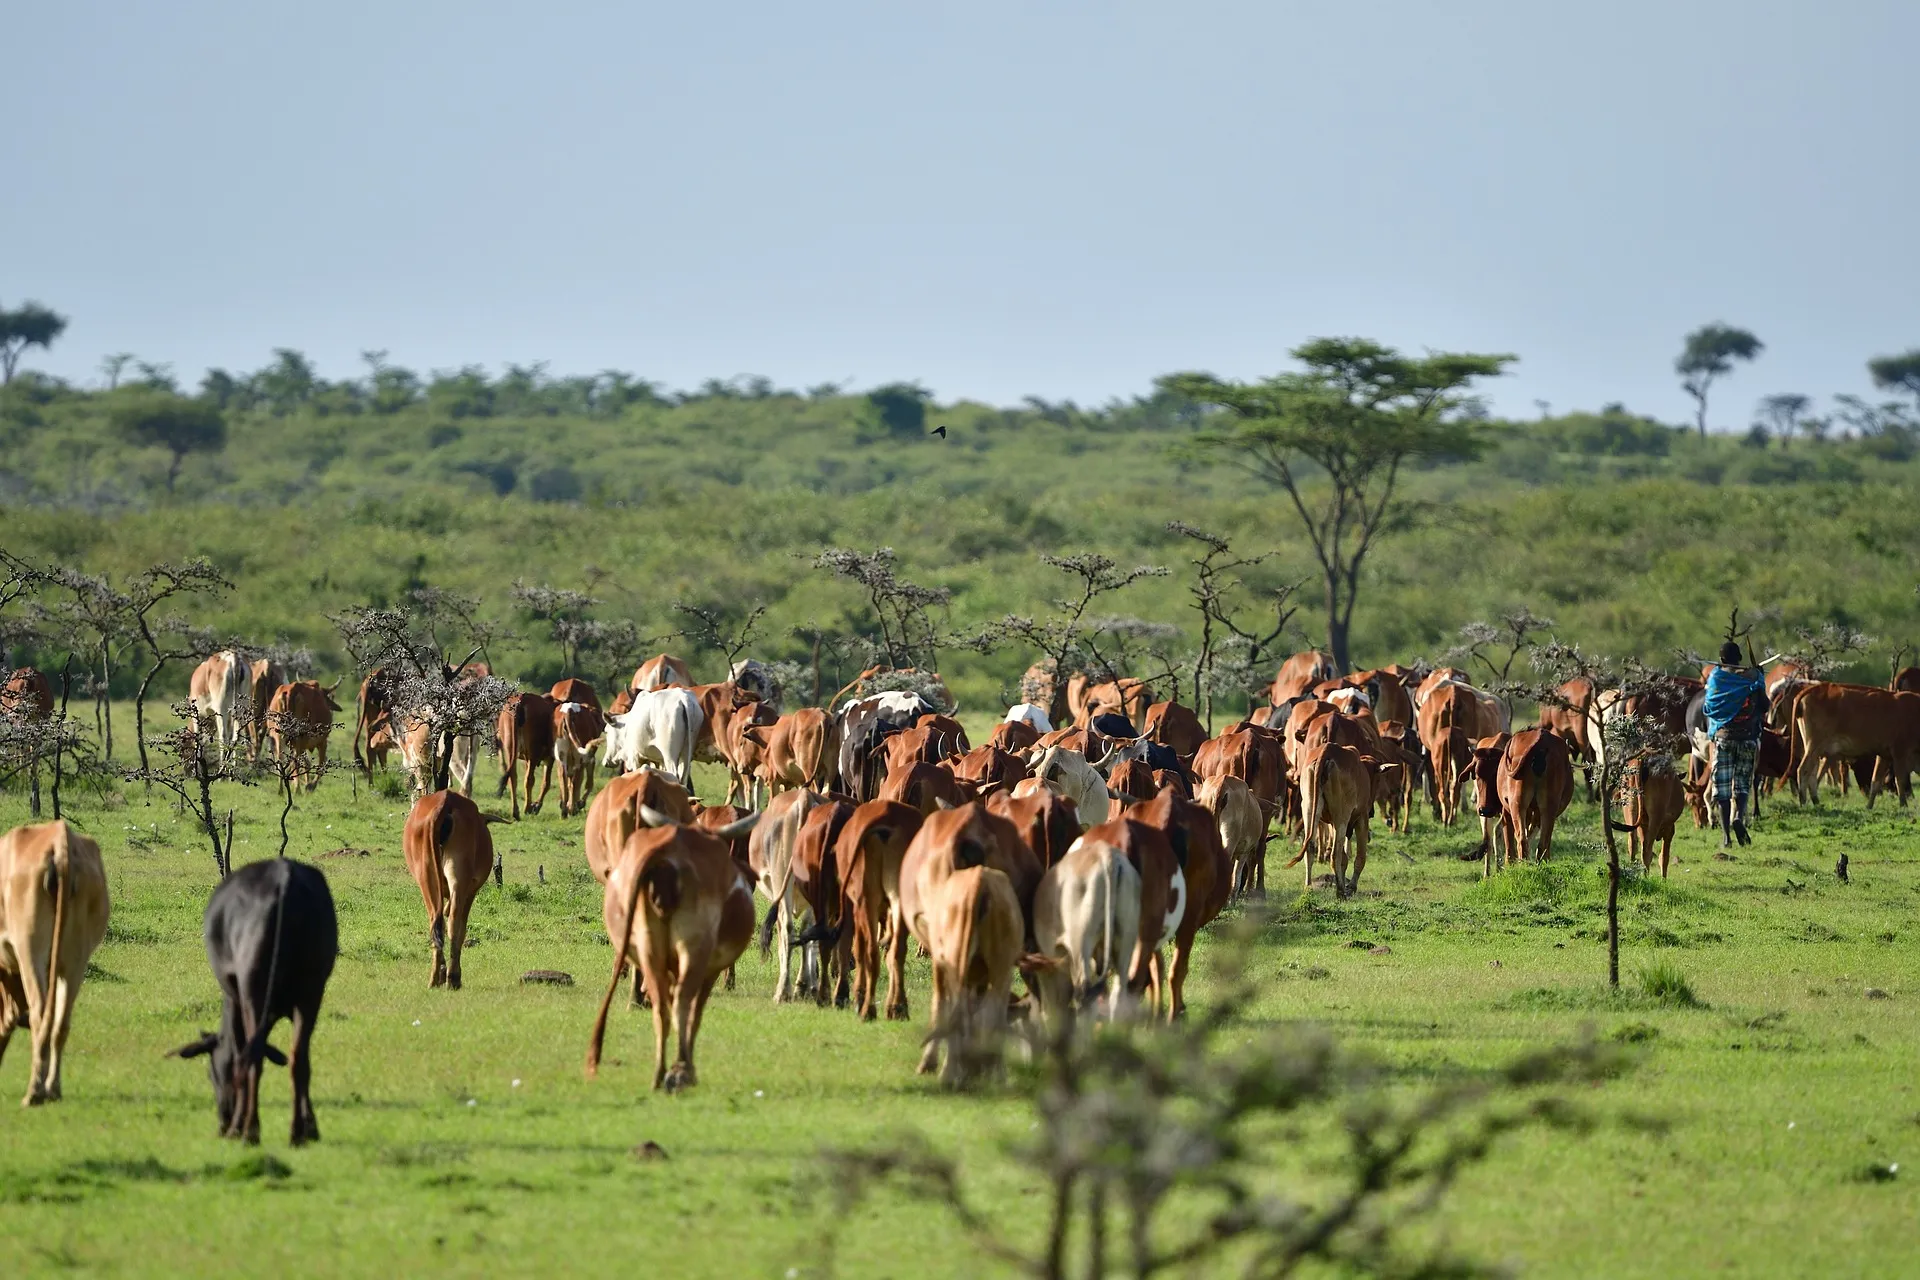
column 271, row 938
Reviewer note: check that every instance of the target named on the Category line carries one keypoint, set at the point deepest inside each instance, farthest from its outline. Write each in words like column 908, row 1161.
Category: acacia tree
column 1898, row 373
column 1334, row 437
column 414, row 646
column 1709, row 353
column 562, row 609
column 725, row 628
column 1066, row 640
column 28, row 325
column 146, row 593
column 175, row 423
column 1217, row 579
column 94, row 619
column 901, row 609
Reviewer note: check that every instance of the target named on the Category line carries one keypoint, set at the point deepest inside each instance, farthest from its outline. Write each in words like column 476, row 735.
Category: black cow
column 271, row 938
column 864, row 725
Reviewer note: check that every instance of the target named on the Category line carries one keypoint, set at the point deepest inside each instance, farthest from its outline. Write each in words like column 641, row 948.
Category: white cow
column 660, row 729
column 1029, row 713
column 218, row 689
column 1351, row 701
column 1086, row 920
column 757, row 678
column 1069, row 773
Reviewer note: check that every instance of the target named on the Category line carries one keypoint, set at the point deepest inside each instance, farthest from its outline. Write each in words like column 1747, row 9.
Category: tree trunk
column 1337, row 642
column 140, row 714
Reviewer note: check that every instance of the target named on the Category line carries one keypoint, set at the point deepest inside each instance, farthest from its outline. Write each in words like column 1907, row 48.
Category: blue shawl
column 1732, row 691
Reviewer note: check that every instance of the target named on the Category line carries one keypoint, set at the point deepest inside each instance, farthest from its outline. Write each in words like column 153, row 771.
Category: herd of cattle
column 1085, row 858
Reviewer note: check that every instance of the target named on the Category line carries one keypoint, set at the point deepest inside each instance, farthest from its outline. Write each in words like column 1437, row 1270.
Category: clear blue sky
column 995, row 198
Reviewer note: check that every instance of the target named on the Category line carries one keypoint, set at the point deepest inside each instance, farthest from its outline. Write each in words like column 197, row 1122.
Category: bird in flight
column 940, row 431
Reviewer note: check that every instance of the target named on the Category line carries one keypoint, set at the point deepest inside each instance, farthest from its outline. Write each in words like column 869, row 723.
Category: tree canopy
column 175, row 423
column 1357, row 412
column 28, row 325
column 1898, row 373
column 1709, row 353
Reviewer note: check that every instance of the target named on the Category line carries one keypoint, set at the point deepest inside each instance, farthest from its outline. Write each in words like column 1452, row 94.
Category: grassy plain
column 460, row 1137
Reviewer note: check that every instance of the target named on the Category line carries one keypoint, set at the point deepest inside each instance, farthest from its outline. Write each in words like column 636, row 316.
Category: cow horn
column 652, row 817
column 739, row 827
column 335, row 685
column 943, row 802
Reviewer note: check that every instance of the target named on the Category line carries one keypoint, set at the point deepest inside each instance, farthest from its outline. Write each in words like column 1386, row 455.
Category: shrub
column 1667, row 985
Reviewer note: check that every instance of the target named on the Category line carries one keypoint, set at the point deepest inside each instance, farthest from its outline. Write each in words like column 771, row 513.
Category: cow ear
column 198, row 1049
column 273, row 1055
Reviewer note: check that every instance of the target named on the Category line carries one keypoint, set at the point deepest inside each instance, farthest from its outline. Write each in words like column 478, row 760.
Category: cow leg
column 662, row 1012
column 939, row 1016
column 437, row 933
column 689, row 997
column 897, row 968
column 1359, row 859
column 459, row 940
column 1666, row 854
column 699, row 1014
column 546, row 784
column 512, row 786
column 1177, row 978
column 300, row 1068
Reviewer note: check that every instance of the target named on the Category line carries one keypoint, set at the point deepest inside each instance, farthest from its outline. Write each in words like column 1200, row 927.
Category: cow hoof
column 453, row 982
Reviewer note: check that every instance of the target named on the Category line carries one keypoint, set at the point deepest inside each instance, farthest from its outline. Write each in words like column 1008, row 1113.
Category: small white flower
column 473, row 1102
column 1790, row 1124
column 759, row 1093
column 1894, row 1167
column 516, row 1084
column 416, row 1022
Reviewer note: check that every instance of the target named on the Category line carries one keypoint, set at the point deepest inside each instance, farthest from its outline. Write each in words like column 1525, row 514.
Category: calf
column 1243, row 831
column 577, row 730
column 525, row 732
column 683, row 912
column 744, row 753
column 271, row 938
column 771, row 852
column 450, row 853
column 53, row 913
column 417, row 757
column 264, row 676
column 217, row 688
column 868, row 854
column 973, row 932
column 1086, row 924
column 1654, row 799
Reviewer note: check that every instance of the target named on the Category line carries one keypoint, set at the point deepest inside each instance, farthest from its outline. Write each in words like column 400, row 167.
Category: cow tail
column 613, row 984
column 442, row 836
column 1106, row 941
column 58, row 877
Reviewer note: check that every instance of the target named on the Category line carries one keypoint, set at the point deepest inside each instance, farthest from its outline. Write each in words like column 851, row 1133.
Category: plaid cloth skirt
column 1733, row 760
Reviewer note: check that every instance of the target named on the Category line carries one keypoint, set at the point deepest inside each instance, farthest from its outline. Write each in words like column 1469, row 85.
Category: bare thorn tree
column 1063, row 640
column 91, row 618
column 563, row 610
column 1218, row 578
column 722, row 628
column 190, row 763
column 146, row 593
column 1156, row 1151
column 901, row 609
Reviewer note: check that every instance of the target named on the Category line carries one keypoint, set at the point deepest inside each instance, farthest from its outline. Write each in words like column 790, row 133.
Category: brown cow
column 989, row 767
column 953, row 738
column 374, row 709
column 1016, row 736
column 927, row 787
column 1848, row 722
column 218, row 689
column 27, row 695
column 974, row 932
column 1206, row 879
column 1654, row 797
column 1336, row 795
column 574, row 689
column 299, row 719
column 1535, row 788
column 524, row 730
column 922, row 744
column 683, row 912
column 1125, row 696
column 622, row 703
column 614, row 814
column 868, row 855
column 1386, row 694
column 1162, row 892
column 1447, row 708
column 660, row 672
column 719, row 703
column 1300, row 673
column 1048, row 822
column 744, row 753
column 1174, row 725
column 1905, row 680
column 816, row 876
column 799, row 750
column 53, row 913
column 1131, row 782
column 577, row 730
column 950, row 840
column 450, row 853
column 264, row 676
column 1243, row 831
column 1570, row 716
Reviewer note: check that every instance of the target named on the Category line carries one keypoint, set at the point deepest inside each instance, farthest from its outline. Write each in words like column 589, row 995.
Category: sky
column 998, row 199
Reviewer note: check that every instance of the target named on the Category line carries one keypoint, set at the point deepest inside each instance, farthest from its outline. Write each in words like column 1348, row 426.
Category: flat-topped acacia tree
column 1334, row 436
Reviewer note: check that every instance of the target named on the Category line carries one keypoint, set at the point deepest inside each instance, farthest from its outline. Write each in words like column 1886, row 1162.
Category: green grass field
column 461, row 1138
